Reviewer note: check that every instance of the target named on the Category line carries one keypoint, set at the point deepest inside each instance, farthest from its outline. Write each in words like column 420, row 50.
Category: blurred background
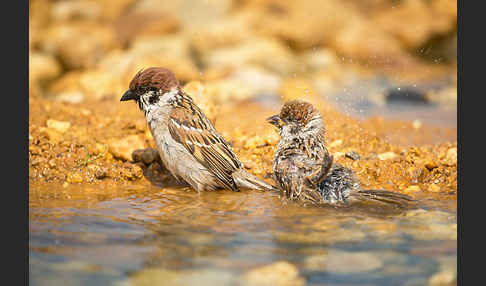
column 364, row 56
column 96, row 219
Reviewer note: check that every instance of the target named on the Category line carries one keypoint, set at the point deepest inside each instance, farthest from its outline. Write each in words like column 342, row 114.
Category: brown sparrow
column 303, row 167
column 188, row 144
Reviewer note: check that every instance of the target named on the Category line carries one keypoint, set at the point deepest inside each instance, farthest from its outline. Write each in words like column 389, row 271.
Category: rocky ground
column 91, row 142
column 230, row 55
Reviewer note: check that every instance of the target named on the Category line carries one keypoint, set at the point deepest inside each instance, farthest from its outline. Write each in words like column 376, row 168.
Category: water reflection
column 101, row 236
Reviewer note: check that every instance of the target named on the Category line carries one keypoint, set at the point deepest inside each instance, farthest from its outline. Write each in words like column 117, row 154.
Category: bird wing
column 195, row 132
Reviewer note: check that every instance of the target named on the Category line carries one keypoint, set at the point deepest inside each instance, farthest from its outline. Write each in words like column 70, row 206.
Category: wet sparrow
column 303, row 167
column 187, row 142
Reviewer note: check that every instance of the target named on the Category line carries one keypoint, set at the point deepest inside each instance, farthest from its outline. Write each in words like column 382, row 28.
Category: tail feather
column 244, row 179
column 383, row 196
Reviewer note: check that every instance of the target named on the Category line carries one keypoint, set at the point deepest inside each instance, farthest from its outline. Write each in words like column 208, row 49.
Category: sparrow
column 304, row 169
column 188, row 144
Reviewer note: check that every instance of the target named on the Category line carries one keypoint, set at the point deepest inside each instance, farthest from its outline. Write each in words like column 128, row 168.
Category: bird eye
column 153, row 98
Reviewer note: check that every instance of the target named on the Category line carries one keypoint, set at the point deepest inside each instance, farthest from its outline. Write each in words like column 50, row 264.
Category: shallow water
column 142, row 234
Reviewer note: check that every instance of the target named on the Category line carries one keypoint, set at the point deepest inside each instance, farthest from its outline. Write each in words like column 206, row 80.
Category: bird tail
column 383, row 196
column 244, row 179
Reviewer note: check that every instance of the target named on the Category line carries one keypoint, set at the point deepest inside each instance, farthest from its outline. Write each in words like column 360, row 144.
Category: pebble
column 353, row 155
column 430, row 165
column 338, row 154
column 132, row 172
column 70, row 97
column 443, row 278
column 75, row 178
column 414, row 173
column 447, row 275
column 99, row 172
column 433, row 188
column 336, row 143
column 387, row 156
column 37, row 161
column 278, row 273
column 160, row 276
column 343, row 262
column 451, row 157
column 59, row 126
column 122, row 148
column 413, row 189
column 51, row 134
column 416, row 124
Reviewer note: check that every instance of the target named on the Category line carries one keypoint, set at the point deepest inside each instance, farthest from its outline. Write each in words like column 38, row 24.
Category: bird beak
column 128, row 95
column 274, row 120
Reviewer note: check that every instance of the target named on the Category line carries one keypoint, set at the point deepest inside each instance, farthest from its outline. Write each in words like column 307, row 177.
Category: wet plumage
column 304, row 169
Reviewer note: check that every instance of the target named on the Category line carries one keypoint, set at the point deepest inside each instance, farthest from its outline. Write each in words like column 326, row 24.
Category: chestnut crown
column 295, row 111
column 153, row 78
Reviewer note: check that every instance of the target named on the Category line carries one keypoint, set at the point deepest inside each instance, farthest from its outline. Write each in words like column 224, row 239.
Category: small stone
column 122, row 148
column 52, row 163
column 433, row 188
column 161, row 276
column 413, row 189
column 416, row 124
column 75, row 178
column 338, row 154
column 443, row 278
column 70, row 97
column 387, row 156
column 272, row 138
column 100, row 148
column 133, row 172
column 336, row 143
column 344, row 262
column 352, row 155
column 59, row 126
column 51, row 134
column 278, row 273
column 99, row 172
column 42, row 67
column 430, row 165
column 249, row 164
column 254, row 142
column 451, row 157
column 414, row 173
column 85, row 112
column 37, row 161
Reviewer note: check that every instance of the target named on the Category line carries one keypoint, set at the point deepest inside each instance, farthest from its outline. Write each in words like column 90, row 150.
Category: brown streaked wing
column 202, row 141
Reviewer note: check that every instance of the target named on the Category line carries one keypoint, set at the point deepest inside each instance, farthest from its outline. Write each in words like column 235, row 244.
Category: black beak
column 274, row 120
column 128, row 95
